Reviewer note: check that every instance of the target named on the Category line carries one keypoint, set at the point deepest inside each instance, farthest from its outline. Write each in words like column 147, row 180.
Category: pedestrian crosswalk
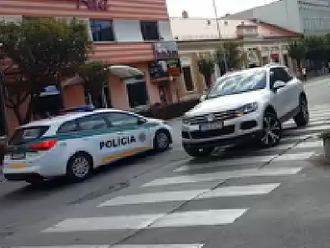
column 164, row 198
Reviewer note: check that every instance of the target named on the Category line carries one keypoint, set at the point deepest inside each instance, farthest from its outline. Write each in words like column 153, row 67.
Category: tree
column 94, row 75
column 45, row 51
column 234, row 56
column 327, row 44
column 297, row 51
column 206, row 67
column 316, row 49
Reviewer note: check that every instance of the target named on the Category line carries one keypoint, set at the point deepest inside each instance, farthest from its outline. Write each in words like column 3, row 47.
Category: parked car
column 77, row 142
column 243, row 105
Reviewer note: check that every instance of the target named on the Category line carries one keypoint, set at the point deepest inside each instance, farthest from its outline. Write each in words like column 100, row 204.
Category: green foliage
column 206, row 67
column 234, row 56
column 316, row 48
column 94, row 75
column 45, row 51
column 297, row 50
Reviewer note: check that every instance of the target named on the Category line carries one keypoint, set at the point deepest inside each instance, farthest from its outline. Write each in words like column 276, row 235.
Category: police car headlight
column 247, row 109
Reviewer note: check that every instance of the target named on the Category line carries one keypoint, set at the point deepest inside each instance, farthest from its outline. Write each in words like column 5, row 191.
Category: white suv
column 243, row 105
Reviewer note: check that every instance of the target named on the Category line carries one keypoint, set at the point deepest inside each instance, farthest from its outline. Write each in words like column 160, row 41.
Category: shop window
column 150, row 30
column 101, row 101
column 188, row 78
column 102, row 30
column 137, row 92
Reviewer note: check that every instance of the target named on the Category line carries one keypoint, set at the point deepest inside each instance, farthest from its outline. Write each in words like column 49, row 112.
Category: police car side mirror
column 141, row 121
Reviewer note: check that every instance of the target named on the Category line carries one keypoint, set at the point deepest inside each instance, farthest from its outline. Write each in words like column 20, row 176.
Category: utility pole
column 219, row 34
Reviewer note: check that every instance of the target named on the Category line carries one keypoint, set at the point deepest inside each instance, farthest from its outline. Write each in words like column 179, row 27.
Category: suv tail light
column 43, row 145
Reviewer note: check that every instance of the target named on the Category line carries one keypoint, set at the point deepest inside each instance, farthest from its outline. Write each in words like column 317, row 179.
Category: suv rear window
column 26, row 135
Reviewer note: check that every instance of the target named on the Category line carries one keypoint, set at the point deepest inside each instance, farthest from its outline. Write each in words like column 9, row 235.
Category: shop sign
column 166, row 50
column 174, row 67
column 158, row 69
column 101, row 5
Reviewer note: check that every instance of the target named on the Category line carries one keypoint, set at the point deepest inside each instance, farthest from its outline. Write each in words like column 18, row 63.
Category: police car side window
column 121, row 119
column 68, row 127
column 93, row 122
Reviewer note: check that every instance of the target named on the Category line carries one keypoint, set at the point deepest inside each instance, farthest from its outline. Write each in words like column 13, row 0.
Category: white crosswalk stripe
column 191, row 194
column 249, row 160
column 136, row 222
column 119, row 246
column 153, row 197
column 200, row 218
column 234, row 191
column 222, row 176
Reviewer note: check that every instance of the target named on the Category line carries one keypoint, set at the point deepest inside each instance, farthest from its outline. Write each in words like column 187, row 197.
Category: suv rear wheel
column 198, row 152
column 302, row 118
column 272, row 130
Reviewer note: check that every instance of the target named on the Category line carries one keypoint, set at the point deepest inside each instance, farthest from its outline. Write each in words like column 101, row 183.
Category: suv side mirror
column 278, row 85
column 202, row 98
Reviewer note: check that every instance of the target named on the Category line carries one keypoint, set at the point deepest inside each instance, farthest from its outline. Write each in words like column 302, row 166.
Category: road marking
column 104, row 223
column 137, row 222
column 119, row 246
column 153, row 197
column 312, row 128
column 188, row 195
column 246, row 190
column 195, row 178
column 199, row 218
column 160, row 246
column 310, row 144
column 247, row 160
column 65, row 246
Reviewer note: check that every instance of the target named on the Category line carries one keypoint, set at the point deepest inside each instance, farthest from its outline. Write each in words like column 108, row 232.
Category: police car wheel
column 79, row 167
column 162, row 141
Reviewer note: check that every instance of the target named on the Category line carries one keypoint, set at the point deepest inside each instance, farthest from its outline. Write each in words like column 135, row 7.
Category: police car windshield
column 26, row 135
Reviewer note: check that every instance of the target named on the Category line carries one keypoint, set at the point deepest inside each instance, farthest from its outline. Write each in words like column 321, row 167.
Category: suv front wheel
column 272, row 130
column 302, row 118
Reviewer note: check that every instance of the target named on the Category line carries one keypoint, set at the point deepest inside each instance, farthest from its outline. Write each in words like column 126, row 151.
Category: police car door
column 93, row 129
column 132, row 135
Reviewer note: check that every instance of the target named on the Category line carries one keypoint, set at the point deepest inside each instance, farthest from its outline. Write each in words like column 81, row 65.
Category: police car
column 76, row 143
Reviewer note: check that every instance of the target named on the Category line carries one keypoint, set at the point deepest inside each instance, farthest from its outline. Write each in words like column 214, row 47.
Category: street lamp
column 219, row 34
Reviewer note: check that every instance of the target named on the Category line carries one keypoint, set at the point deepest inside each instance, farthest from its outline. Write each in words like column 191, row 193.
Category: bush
column 170, row 111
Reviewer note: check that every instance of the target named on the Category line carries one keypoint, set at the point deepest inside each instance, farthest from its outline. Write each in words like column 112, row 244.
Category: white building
column 261, row 42
column 310, row 17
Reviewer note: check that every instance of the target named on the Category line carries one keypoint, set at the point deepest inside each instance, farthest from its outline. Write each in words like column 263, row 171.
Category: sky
column 204, row 8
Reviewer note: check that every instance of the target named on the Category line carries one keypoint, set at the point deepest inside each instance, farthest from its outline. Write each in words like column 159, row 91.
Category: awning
column 125, row 72
column 121, row 71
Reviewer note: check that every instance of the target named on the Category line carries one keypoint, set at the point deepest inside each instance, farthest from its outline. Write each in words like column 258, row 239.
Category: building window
column 188, row 78
column 149, row 30
column 137, row 92
column 102, row 30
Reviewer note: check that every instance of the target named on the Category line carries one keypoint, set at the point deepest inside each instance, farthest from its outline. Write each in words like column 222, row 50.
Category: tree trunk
column 18, row 115
column 208, row 81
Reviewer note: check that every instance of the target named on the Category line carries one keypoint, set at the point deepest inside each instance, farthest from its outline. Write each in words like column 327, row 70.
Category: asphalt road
column 241, row 197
